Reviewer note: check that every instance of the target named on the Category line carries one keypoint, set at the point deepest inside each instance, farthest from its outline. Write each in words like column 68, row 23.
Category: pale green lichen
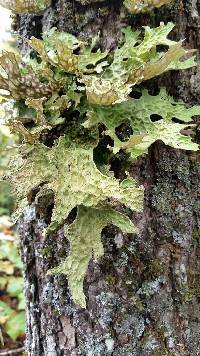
column 105, row 82
column 68, row 81
column 70, row 172
column 85, row 243
column 137, row 113
column 137, row 6
column 23, row 6
column 135, row 61
column 58, row 48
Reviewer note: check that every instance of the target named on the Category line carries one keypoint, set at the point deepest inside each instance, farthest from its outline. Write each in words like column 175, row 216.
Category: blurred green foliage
column 12, row 316
column 6, row 197
column 12, row 305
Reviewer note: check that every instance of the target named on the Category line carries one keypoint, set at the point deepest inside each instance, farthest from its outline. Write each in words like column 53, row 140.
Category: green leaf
column 137, row 113
column 15, row 286
column 9, row 251
column 21, row 298
column 15, row 326
column 5, row 312
column 85, row 243
column 6, row 267
column 69, row 171
column 3, row 281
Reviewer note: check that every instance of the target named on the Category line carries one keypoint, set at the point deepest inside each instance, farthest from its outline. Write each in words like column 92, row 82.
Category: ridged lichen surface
column 23, row 6
column 136, row 6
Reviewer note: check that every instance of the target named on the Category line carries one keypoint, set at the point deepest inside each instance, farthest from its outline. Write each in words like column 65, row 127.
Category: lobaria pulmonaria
column 23, row 6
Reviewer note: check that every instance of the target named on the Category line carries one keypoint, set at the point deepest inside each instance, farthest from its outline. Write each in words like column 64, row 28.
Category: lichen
column 138, row 114
column 85, row 242
column 134, row 62
column 87, row 2
column 22, row 6
column 21, row 81
column 58, row 49
column 156, row 268
column 50, row 97
column 137, row 6
column 70, row 172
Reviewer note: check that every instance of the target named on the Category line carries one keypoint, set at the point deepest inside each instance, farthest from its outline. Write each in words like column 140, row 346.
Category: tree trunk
column 143, row 296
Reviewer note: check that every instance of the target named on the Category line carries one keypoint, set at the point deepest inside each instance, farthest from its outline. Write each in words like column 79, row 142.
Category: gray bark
column 143, row 296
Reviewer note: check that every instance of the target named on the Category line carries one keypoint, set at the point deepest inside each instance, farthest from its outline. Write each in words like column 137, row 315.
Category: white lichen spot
column 150, row 288
column 109, row 344
column 152, row 343
column 119, row 240
column 50, row 346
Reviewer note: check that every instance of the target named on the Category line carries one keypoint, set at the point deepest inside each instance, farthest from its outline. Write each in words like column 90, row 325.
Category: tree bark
column 143, row 296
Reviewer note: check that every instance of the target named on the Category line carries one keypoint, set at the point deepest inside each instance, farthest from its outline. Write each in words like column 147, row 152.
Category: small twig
column 12, row 352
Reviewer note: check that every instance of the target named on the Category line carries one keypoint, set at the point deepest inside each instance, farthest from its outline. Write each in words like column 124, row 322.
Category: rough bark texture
column 143, row 296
